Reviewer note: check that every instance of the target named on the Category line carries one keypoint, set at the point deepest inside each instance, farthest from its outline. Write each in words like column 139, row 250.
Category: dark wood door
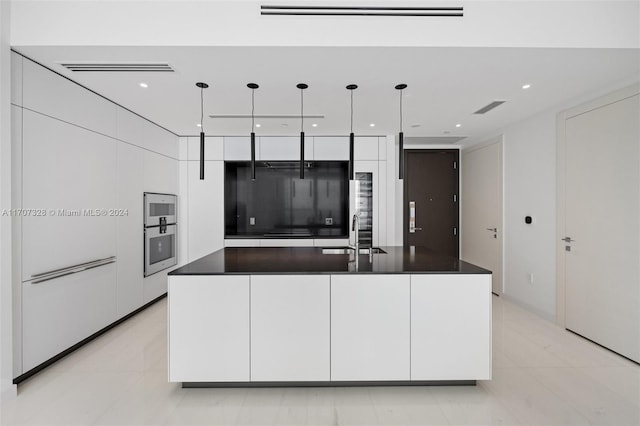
column 431, row 192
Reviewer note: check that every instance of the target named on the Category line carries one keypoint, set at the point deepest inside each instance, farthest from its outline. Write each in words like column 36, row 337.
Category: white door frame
column 562, row 118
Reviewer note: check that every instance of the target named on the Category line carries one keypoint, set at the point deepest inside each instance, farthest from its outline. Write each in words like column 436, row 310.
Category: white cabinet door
column 66, row 169
column 331, row 148
column 209, row 328
column 366, row 148
column 159, row 140
column 130, row 234
column 48, row 93
column 213, row 148
column 238, row 148
column 451, row 327
column 160, row 174
column 130, row 127
column 206, row 209
column 290, row 327
column 284, row 148
column 59, row 313
column 370, row 327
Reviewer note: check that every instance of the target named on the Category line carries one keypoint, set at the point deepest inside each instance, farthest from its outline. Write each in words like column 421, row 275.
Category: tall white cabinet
column 81, row 166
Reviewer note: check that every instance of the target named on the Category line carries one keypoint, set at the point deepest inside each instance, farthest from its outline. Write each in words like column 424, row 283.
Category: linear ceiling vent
column 361, row 11
column 487, row 108
column 117, row 66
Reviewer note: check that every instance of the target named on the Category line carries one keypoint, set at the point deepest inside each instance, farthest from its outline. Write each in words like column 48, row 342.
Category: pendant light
column 301, row 86
column 401, row 87
column 202, row 86
column 351, row 88
column 253, row 87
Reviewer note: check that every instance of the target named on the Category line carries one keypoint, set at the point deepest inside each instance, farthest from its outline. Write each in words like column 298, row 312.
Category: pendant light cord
column 351, row 111
column 201, row 108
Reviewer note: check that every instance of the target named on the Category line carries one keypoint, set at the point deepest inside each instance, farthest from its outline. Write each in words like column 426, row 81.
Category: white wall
column 236, row 23
column 530, row 190
column 7, row 389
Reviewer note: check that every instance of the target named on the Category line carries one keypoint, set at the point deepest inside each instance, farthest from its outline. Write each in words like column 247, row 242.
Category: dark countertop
column 310, row 260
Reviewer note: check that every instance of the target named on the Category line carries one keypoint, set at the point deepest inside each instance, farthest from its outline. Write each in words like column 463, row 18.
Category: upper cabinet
column 213, row 148
column 48, row 93
column 285, row 148
column 159, row 140
column 366, row 148
column 238, row 148
column 331, row 148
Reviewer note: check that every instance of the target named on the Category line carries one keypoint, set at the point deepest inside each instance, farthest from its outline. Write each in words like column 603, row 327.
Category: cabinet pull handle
column 58, row 273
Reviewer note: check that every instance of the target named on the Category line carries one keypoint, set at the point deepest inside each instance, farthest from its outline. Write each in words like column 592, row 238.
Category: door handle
column 417, row 229
column 412, row 217
column 492, row 229
column 567, row 240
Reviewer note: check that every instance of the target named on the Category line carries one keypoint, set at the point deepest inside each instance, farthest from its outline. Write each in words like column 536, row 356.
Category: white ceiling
column 445, row 85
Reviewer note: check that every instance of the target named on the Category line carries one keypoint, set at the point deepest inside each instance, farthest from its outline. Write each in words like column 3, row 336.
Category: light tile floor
column 542, row 375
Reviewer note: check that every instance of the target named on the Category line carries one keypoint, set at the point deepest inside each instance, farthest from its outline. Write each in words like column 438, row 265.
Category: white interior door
column 482, row 209
column 602, row 217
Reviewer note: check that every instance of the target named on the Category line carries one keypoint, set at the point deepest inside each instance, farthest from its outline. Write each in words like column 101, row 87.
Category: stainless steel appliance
column 160, row 232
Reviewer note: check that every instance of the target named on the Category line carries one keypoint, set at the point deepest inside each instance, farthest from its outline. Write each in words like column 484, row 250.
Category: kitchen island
column 304, row 316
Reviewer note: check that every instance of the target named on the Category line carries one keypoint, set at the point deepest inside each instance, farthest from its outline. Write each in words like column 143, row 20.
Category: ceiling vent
column 361, row 11
column 117, row 66
column 485, row 109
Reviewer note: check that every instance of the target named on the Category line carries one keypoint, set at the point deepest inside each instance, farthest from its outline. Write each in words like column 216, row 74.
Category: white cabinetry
column 284, row 148
column 48, row 93
column 370, row 338
column 59, row 313
column 365, row 148
column 331, row 148
column 206, row 209
column 130, row 235
column 238, row 148
column 66, row 169
column 16, row 79
column 454, row 310
column 209, row 328
column 290, row 328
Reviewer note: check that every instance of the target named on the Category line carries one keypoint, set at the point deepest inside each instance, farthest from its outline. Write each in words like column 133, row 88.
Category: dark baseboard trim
column 35, row 370
column 328, row 384
column 603, row 347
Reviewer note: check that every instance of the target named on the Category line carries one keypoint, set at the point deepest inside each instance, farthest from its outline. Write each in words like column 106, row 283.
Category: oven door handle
column 70, row 270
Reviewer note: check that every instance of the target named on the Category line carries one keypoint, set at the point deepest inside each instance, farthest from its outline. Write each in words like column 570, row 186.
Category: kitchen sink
column 349, row 250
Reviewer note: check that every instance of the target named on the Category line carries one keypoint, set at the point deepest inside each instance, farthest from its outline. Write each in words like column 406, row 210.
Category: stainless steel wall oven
column 160, row 232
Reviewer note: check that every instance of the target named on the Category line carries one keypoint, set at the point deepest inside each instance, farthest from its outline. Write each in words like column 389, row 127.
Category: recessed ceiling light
column 145, row 85
column 526, row 86
column 199, row 125
column 314, row 125
column 372, row 125
column 458, row 125
column 258, row 125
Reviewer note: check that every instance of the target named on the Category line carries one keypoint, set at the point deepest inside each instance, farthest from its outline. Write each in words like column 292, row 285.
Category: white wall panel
column 331, row 148
column 16, row 79
column 50, row 94
column 366, row 148
column 206, row 209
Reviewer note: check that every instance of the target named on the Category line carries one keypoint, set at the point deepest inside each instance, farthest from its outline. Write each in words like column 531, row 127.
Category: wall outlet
column 252, row 221
column 328, row 221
